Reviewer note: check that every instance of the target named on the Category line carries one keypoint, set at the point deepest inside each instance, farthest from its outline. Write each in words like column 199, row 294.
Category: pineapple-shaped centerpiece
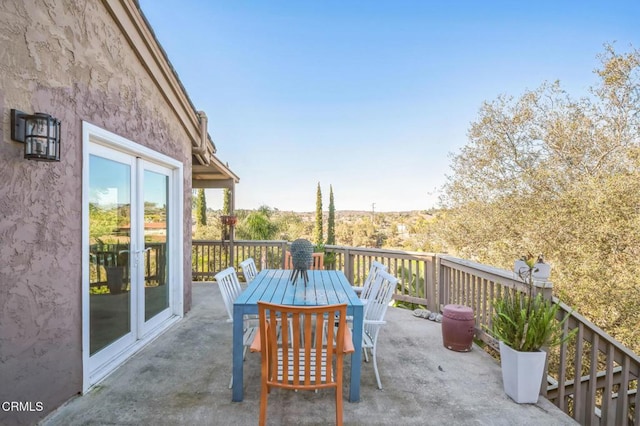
column 301, row 258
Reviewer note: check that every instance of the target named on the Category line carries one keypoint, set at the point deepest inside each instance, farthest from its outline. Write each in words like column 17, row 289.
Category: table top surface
column 325, row 287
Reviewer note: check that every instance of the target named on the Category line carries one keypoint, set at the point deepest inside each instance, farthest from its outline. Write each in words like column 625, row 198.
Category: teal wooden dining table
column 274, row 286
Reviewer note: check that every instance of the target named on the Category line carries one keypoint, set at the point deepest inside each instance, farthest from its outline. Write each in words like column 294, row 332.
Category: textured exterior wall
column 67, row 58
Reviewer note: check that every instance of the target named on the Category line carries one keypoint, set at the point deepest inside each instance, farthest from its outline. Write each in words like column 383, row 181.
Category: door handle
column 139, row 252
column 142, row 251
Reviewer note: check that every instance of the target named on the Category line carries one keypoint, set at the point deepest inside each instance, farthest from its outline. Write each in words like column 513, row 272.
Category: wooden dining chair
column 288, row 260
column 365, row 290
column 230, row 289
column 317, row 264
column 382, row 289
column 318, row 261
column 249, row 269
column 306, row 361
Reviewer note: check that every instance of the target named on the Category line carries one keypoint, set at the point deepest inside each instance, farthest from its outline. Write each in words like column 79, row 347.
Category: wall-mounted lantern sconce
column 40, row 134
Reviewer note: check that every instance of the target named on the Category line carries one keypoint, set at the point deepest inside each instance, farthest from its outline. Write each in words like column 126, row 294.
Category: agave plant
column 526, row 322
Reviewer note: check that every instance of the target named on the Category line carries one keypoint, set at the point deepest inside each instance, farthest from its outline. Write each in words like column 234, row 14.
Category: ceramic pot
column 522, row 373
column 541, row 271
column 115, row 279
column 521, row 268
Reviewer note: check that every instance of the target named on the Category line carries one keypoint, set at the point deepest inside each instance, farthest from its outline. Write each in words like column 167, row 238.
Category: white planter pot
column 522, row 373
column 541, row 271
column 521, row 268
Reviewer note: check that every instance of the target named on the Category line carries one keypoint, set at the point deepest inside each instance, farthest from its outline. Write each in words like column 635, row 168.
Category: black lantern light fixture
column 40, row 134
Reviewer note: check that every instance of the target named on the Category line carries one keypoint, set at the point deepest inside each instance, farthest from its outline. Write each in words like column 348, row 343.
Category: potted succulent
column 525, row 324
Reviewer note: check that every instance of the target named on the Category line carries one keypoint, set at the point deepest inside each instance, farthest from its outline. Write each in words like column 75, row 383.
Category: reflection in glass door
column 132, row 249
column 156, row 202
column 110, row 295
column 129, row 292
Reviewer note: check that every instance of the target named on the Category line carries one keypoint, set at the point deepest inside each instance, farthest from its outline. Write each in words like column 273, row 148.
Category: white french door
column 132, row 262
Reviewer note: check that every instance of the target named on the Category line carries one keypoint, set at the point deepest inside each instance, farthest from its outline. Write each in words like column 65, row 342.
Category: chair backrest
column 288, row 260
column 249, row 269
column 318, row 261
column 382, row 290
column 229, row 284
column 302, row 357
column 373, row 273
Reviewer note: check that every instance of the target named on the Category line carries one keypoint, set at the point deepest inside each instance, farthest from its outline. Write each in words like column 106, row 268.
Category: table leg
column 237, row 391
column 356, row 357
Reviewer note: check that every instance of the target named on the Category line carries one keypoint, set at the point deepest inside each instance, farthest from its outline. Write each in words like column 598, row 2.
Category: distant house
column 76, row 297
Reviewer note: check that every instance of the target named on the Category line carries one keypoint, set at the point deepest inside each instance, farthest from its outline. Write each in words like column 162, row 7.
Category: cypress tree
column 226, row 206
column 318, row 228
column 331, row 221
column 201, row 208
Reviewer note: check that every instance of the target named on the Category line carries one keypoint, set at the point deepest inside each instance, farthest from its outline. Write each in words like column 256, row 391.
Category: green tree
column 291, row 226
column 226, row 203
column 201, row 208
column 344, row 233
column 552, row 174
column 103, row 222
column 330, row 258
column 331, row 220
column 318, row 232
column 365, row 234
column 257, row 225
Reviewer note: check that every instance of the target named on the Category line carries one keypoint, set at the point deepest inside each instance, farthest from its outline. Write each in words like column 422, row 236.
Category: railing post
column 231, row 250
column 430, row 275
column 546, row 289
column 263, row 257
column 348, row 265
column 442, row 278
column 284, row 252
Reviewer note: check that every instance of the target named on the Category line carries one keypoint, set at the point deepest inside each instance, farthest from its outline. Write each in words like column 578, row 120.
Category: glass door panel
column 132, row 198
column 156, row 203
column 110, row 304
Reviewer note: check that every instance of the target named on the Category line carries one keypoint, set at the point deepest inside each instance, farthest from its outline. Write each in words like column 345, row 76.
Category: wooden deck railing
column 106, row 257
column 414, row 270
column 208, row 257
column 592, row 377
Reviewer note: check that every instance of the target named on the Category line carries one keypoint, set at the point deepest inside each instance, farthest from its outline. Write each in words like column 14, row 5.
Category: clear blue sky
column 369, row 96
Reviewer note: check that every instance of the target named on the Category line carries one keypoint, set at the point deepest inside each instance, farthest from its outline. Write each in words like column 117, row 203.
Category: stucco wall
column 67, row 58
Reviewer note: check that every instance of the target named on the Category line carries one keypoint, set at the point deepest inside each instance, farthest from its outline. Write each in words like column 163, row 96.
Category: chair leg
column 339, row 405
column 366, row 356
column 375, row 366
column 263, row 405
column 231, row 382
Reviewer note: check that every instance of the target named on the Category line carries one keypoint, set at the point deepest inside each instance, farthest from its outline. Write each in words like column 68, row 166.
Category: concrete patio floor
column 182, row 379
